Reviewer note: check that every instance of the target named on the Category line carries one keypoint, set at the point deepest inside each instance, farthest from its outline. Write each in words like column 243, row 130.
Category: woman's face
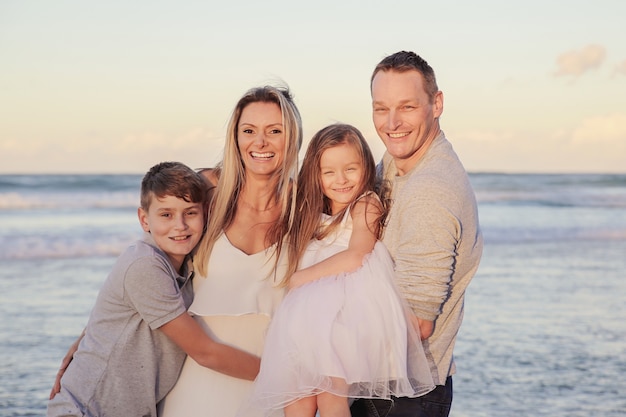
column 261, row 138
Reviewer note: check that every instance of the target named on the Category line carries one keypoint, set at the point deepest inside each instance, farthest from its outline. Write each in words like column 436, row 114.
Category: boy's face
column 175, row 225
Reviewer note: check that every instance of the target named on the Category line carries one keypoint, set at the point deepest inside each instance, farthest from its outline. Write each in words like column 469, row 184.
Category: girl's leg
column 331, row 405
column 304, row 407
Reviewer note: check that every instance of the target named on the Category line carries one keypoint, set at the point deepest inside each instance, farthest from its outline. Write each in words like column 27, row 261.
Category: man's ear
column 438, row 104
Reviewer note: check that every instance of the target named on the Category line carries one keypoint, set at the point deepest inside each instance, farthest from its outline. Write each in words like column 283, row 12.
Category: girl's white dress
column 234, row 305
column 346, row 334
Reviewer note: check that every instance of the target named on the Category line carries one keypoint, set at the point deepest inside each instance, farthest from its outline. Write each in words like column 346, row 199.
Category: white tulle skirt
column 348, row 335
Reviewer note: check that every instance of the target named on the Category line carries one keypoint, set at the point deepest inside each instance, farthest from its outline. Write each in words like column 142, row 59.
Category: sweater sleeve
column 426, row 245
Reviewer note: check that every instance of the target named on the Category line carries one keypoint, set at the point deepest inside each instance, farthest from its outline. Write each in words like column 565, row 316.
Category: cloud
column 594, row 144
column 620, row 69
column 578, row 62
column 605, row 129
column 134, row 152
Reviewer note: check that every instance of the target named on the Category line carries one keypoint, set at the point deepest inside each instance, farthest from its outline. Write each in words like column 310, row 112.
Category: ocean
column 545, row 320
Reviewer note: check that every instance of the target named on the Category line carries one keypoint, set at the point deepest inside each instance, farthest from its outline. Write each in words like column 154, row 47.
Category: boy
column 139, row 332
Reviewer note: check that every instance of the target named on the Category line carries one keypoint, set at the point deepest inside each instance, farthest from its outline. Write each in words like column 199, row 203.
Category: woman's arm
column 64, row 364
column 365, row 213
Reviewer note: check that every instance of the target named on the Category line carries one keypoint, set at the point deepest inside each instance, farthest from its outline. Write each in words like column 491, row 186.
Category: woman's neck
column 258, row 195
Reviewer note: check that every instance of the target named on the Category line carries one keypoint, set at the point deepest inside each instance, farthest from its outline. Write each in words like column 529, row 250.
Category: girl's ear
column 143, row 219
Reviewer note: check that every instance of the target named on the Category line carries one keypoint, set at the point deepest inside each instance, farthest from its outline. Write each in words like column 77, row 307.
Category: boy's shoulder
column 143, row 253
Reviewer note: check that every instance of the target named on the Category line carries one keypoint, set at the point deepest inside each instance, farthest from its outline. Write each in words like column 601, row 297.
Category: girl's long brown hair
column 311, row 201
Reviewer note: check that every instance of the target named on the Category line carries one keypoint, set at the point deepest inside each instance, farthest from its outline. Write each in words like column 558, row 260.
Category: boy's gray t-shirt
column 124, row 365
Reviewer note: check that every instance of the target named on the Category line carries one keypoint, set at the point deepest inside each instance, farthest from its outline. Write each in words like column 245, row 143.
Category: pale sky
column 117, row 86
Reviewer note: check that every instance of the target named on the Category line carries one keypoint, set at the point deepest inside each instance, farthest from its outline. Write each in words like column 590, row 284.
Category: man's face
column 404, row 117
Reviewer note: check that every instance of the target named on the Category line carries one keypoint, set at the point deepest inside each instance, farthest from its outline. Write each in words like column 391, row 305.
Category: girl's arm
column 365, row 213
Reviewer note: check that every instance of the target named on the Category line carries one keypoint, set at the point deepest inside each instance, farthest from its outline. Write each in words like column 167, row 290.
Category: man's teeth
column 397, row 135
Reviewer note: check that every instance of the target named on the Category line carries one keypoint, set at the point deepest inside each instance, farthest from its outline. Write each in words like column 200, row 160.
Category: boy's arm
column 189, row 336
column 64, row 364
column 365, row 214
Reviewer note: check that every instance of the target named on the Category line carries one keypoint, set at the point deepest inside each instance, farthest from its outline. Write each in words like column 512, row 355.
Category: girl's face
column 341, row 170
column 261, row 138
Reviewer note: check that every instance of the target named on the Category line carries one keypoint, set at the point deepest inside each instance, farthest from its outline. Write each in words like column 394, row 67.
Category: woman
column 239, row 262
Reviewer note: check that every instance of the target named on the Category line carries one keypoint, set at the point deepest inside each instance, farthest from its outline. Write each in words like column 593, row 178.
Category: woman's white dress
column 234, row 305
column 344, row 334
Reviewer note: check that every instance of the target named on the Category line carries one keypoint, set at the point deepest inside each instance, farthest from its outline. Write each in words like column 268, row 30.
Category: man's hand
column 424, row 328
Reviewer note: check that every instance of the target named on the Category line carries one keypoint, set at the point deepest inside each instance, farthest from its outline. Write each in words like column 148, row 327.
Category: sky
column 117, row 86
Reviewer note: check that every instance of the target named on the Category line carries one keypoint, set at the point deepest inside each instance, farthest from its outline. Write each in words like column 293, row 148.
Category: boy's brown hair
column 173, row 179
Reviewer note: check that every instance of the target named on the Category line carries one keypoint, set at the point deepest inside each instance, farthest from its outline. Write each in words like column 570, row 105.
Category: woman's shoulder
column 212, row 175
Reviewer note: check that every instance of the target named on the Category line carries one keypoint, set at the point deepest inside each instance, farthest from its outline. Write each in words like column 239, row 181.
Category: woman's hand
column 64, row 364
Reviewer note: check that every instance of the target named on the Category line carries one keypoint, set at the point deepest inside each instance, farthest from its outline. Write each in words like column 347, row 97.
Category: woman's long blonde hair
column 232, row 175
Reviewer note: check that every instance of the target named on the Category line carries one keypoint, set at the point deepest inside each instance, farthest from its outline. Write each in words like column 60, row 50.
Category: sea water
column 545, row 323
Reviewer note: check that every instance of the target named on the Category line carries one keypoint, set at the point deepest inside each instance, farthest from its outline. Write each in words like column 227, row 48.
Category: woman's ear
column 143, row 219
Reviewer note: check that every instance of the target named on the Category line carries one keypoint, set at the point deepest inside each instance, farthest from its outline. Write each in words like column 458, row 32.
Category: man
column 432, row 231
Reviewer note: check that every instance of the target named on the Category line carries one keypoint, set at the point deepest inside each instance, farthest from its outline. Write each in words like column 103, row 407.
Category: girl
column 341, row 332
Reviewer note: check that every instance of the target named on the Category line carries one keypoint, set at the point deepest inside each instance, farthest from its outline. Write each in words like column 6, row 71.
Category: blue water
column 544, row 327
